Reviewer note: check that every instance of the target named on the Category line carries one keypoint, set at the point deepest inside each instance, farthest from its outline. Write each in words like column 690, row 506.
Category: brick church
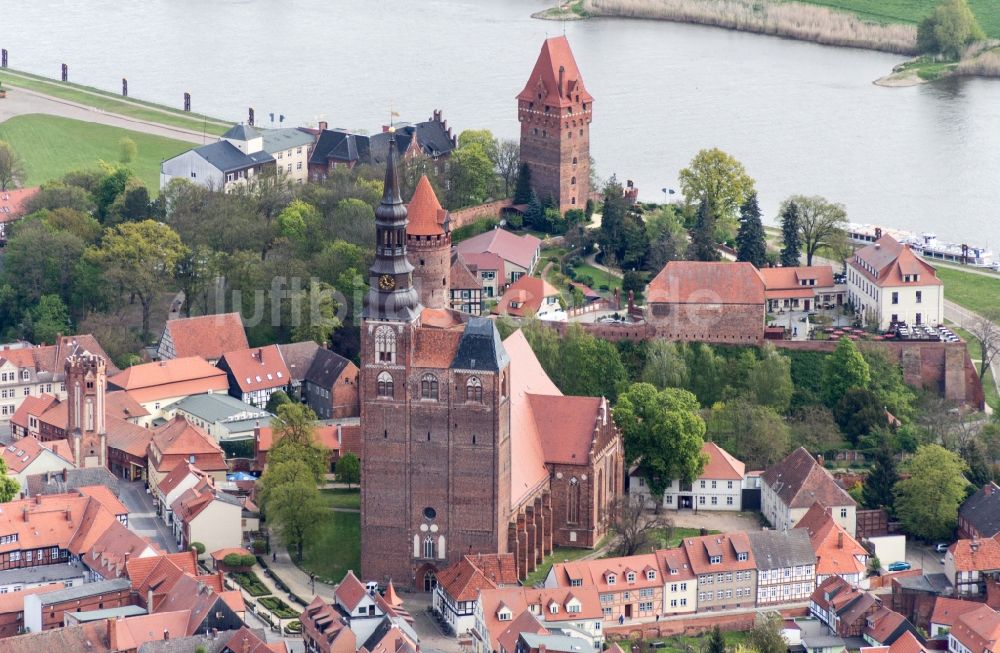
column 468, row 446
column 555, row 111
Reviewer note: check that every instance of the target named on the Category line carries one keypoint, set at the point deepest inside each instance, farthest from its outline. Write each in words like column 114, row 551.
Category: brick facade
column 715, row 323
column 430, row 257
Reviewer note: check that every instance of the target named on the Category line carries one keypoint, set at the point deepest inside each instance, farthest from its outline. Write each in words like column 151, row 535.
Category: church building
column 468, row 446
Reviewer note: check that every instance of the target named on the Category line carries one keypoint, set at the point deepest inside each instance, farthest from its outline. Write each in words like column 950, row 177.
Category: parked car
column 941, row 547
column 898, row 566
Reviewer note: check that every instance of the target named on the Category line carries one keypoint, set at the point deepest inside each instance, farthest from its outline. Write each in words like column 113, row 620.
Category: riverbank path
column 21, row 102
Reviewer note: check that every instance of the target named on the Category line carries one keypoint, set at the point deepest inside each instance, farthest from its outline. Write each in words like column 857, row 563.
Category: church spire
column 391, row 295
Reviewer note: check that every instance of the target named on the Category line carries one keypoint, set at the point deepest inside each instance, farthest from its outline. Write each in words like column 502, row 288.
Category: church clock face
column 386, row 282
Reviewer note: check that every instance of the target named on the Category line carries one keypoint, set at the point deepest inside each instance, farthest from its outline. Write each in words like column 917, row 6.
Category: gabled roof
column 427, row 218
column 791, row 278
column 176, row 475
column 226, row 157
column 51, row 359
column 480, row 348
column 326, row 368
column 781, row 549
column 674, row 564
column 245, row 640
column 127, row 634
column 91, row 637
column 257, row 368
column 299, row 357
column 12, row 202
column 20, row 454
column 705, row 282
column 978, row 630
column 325, row 435
column 567, row 426
column 241, row 132
column 721, row 464
column 350, row 591
column 279, row 140
column 477, row 261
column 906, row 643
column 519, row 250
column 32, row 406
column 727, row 545
column 837, row 552
column 800, row 481
column 555, row 62
column 981, row 509
column 170, row 378
column 464, row 579
column 518, row 599
column 887, row 626
column 70, row 479
column 337, row 145
column 178, row 440
column 208, row 336
column 218, row 407
column 982, row 554
column 460, row 277
column 522, row 623
column 596, row 573
column 891, row 260
column 525, row 296
column 947, row 611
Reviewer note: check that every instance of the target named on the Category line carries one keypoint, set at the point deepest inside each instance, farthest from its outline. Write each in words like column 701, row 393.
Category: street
column 142, row 517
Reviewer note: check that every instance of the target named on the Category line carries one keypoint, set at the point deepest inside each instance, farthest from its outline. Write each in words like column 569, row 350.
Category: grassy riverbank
column 976, row 292
column 98, row 99
column 912, row 11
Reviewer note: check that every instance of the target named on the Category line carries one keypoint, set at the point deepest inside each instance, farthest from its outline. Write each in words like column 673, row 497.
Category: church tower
column 428, row 246
column 86, row 386
column 555, row 111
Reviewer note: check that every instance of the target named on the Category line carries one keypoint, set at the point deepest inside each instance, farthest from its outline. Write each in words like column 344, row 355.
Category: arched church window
column 429, row 547
column 573, row 501
column 385, row 385
column 429, row 387
column 385, row 345
column 474, row 390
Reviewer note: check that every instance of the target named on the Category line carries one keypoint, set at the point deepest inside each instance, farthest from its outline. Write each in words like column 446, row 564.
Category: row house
column 884, row 626
column 208, row 515
column 907, row 643
column 629, row 587
column 976, row 631
column 786, row 566
column 946, row 614
column 458, row 586
column 158, row 385
column 255, row 374
column 837, row 553
column 979, row 515
column 680, row 584
column 971, row 564
column 843, row 608
column 179, row 442
column 718, row 487
column 502, row 614
column 726, row 570
column 205, row 336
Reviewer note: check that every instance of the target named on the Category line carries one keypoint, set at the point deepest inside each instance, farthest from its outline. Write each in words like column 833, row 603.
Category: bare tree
column 635, row 527
column 506, row 156
column 11, row 167
column 821, row 224
column 986, row 331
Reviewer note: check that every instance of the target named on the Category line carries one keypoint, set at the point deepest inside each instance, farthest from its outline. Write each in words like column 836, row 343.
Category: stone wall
column 695, row 624
column 713, row 323
column 469, row 215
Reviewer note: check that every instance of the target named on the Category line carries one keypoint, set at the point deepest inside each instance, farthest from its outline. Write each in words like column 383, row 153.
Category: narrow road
column 142, row 517
column 967, row 319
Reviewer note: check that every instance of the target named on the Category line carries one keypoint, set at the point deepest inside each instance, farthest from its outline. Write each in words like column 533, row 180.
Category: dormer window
column 650, row 574
column 576, row 582
column 554, row 608
column 630, row 577
column 715, row 560
column 741, row 557
column 674, row 572
column 612, row 579
column 503, row 615
column 573, row 607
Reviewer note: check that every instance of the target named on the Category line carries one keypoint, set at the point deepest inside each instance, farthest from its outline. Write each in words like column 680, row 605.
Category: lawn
column 684, row 644
column 670, row 540
column 93, row 97
column 336, row 548
column 52, row 146
column 598, row 277
column 975, row 352
column 342, row 498
column 913, row 11
column 973, row 291
column 559, row 554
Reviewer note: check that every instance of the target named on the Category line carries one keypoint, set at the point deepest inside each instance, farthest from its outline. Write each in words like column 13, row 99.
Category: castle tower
column 428, row 245
column 86, row 387
column 555, row 111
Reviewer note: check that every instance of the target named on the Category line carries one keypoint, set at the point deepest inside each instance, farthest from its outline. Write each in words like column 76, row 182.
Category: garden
column 249, row 581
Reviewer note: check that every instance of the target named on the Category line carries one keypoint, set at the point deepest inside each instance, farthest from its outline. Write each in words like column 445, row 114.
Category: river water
column 802, row 118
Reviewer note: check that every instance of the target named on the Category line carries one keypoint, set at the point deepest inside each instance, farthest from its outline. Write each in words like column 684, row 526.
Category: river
column 802, row 118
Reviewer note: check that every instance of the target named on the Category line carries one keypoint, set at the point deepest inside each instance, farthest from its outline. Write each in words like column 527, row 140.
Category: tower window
column 385, row 345
column 474, row 390
column 429, row 387
column 536, row 131
column 574, row 160
column 581, row 132
column 385, row 384
column 573, row 180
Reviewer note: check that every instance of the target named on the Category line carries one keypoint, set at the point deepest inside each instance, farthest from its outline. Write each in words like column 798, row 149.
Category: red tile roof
column 727, row 545
column 435, row 348
column 595, row 573
column 179, row 377
column 976, row 555
column 207, row 336
column 519, row 250
column 721, row 464
column 518, row 599
column 701, row 282
column 130, row 634
column 524, row 297
column 12, row 202
column 105, row 497
column 674, row 564
column 947, row 611
column 14, row 601
column 245, row 640
column 128, row 437
column 426, row 216
column 178, row 441
column 31, row 406
column 566, row 426
column 555, row 62
column 785, row 279
column 141, row 570
column 90, row 637
column 176, row 475
column 485, row 261
column 891, row 260
column 257, row 368
column 836, row 551
column 979, row 630
column 905, row 643
column 350, row 591
column 463, row 580
column 884, row 622
column 460, row 277
column 324, row 435
column 52, row 358
column 21, row 453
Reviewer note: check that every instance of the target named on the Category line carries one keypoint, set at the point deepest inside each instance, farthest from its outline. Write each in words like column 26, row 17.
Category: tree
column 635, row 528
column 198, row 548
column 927, row 500
column 294, row 439
column 703, row 247
column 950, row 27
column 663, row 430
column 765, row 636
column 112, row 184
column 522, row 190
column 534, row 214
column 716, row 643
column 9, row 487
column 858, row 413
column 277, row 399
column 49, row 319
column 881, row 481
column 754, row 434
column 720, row 180
column 770, row 380
column 632, row 281
column 349, row 469
column 751, row 245
column 141, row 258
column 292, row 502
column 127, row 150
column 844, row 369
column 667, row 237
column 822, row 224
column 60, row 195
column 985, row 330
column 505, row 155
column 979, row 461
column 471, row 176
column 791, row 241
column 814, row 428
column 612, row 231
column 11, row 167
column 665, row 366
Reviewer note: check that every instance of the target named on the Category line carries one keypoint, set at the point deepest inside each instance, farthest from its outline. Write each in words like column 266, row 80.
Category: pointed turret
column 428, row 246
column 391, row 295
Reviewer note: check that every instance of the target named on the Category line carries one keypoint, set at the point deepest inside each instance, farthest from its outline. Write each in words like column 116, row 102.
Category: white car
column 941, row 547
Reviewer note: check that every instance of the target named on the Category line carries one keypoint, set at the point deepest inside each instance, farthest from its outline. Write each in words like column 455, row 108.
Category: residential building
column 290, row 149
column 223, row 417
column 905, row 643
column 971, row 564
column 330, row 386
column 157, row 385
column 91, row 637
column 337, row 438
column 813, row 636
column 791, row 486
column 298, row 356
column 27, row 370
column 519, row 254
column 884, row 626
column 67, row 480
column 207, row 336
column 887, row 283
column 786, row 566
column 205, row 514
column 680, row 584
column 707, row 302
column 719, row 487
column 502, row 614
column 179, row 480
column 976, row 631
column 178, row 442
column 237, row 159
column 459, row 586
column 946, row 614
column 12, row 208
column 28, row 456
column 555, row 110
column 44, row 611
column 843, row 608
column 804, row 288
column 489, row 269
column 532, row 296
column 837, row 553
column 726, row 570
column 465, row 289
column 12, row 608
column 979, row 515
column 630, row 587
column 255, row 373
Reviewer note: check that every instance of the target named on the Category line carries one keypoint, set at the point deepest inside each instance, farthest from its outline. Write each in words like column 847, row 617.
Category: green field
column 975, row 292
column 559, row 554
column 342, row 498
column 598, row 278
column 52, row 146
column 93, row 97
column 913, row 11
column 336, row 548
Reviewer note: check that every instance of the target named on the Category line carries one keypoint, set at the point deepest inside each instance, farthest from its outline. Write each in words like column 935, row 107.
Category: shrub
column 233, row 560
column 198, row 547
column 293, row 627
column 278, row 608
column 251, row 583
column 259, row 546
column 248, row 560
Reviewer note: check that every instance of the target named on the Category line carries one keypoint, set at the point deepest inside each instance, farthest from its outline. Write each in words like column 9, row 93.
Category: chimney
column 24, row 511
column 322, row 125
column 65, row 475
column 69, row 515
column 840, row 539
column 878, row 232
column 878, row 245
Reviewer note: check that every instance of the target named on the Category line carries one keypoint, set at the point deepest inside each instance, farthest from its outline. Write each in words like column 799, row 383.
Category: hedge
column 278, row 608
column 251, row 583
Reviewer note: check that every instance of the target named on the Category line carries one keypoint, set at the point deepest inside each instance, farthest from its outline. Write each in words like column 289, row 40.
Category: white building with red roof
column 12, row 207
column 157, row 385
column 459, row 586
column 887, row 282
column 254, row 374
column 805, row 288
column 178, row 442
column 205, row 514
column 503, row 614
column 532, row 296
column 719, row 487
column 946, row 614
column 519, row 253
column 630, row 587
column 207, row 336
column 976, row 631
column 29, row 456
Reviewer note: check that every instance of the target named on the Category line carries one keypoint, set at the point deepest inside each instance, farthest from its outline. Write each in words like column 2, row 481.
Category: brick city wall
column 715, row 323
column 471, row 214
column 695, row 624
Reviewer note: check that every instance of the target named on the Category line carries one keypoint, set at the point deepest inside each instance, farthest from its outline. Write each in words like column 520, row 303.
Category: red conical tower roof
column 425, row 212
column 545, row 78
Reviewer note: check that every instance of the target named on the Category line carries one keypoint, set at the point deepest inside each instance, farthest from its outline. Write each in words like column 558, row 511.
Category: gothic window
column 385, row 385
column 573, row 181
column 385, row 345
column 573, row 501
column 474, row 390
column 429, row 387
column 429, row 547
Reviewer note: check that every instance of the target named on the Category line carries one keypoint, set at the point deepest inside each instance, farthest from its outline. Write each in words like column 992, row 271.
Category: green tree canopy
column 844, row 369
column 757, row 435
column 277, row 399
column 751, row 244
column 349, row 469
column 859, row 412
column 927, row 500
column 720, row 180
column 822, row 224
column 665, row 366
column 770, row 380
column 703, row 244
column 49, row 319
column 880, row 484
column 11, row 167
column 663, row 430
column 522, row 191
column 949, row 28
column 292, row 502
column 791, row 249
column 9, row 487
